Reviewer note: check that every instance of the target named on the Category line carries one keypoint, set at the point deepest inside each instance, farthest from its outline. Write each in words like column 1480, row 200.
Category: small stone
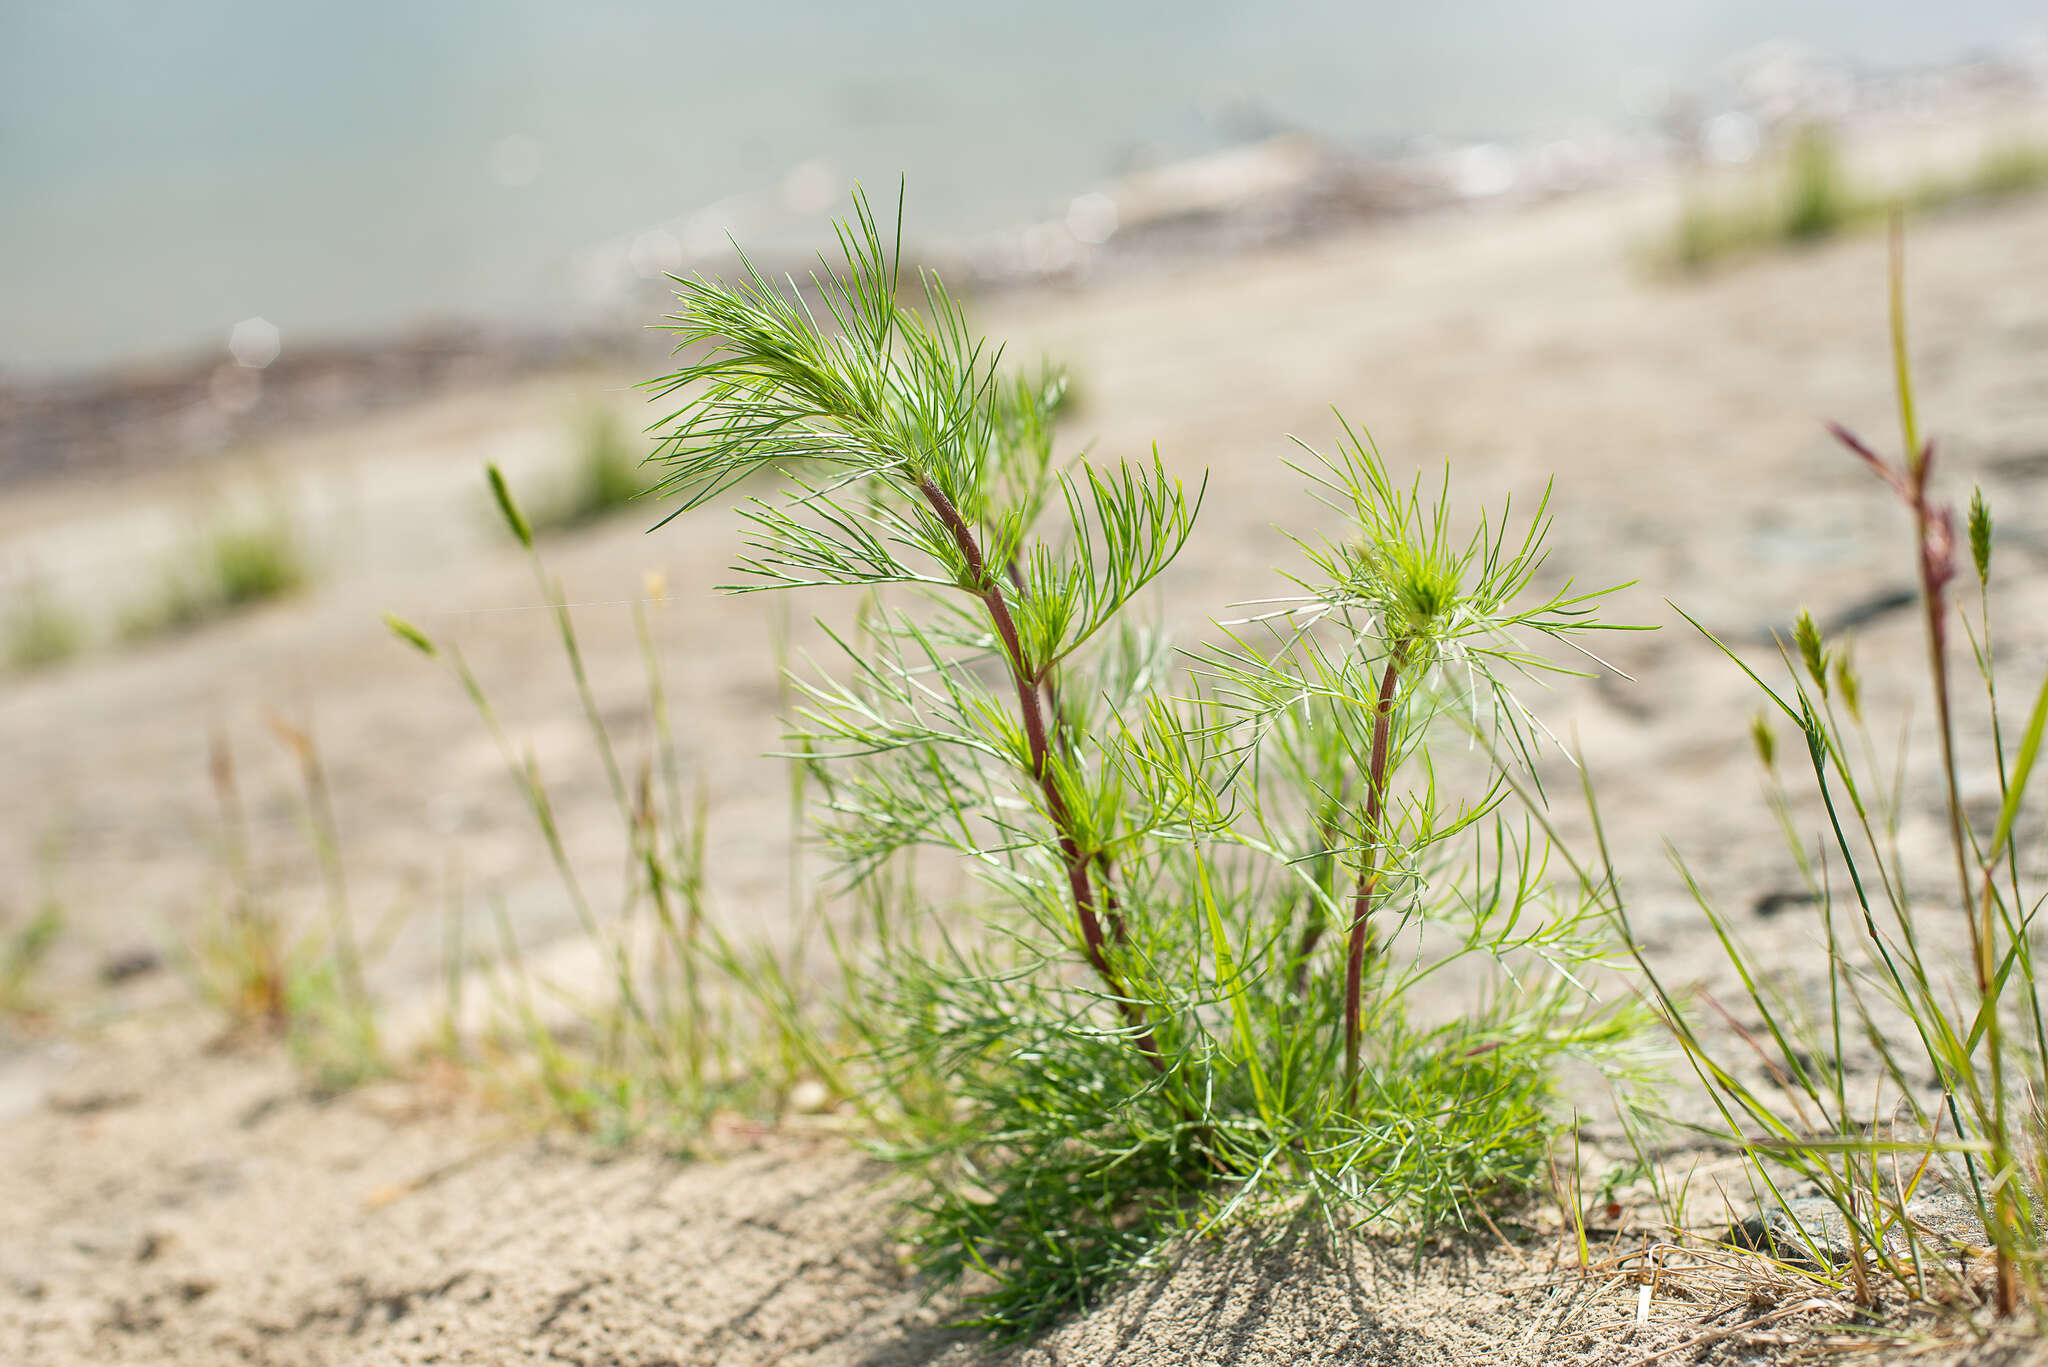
column 1809, row 1232
column 1806, row 1232
column 135, row 962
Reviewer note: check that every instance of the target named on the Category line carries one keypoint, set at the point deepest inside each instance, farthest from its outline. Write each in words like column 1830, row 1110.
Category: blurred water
column 168, row 167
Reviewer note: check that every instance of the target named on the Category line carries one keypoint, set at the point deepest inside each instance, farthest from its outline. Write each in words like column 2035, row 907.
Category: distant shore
column 1289, row 187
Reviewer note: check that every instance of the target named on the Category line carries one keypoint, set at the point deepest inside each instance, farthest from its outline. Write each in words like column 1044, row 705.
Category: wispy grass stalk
column 693, row 1022
column 303, row 986
column 1887, row 988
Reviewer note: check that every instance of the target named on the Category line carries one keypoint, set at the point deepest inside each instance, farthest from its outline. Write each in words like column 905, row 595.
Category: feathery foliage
column 1138, row 1028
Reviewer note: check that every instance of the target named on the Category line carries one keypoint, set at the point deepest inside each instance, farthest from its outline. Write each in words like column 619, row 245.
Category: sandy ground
column 169, row 1202
column 390, row 1226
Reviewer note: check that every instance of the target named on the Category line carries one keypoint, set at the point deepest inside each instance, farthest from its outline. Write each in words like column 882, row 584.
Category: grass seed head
column 1811, row 652
column 1980, row 534
column 1766, row 742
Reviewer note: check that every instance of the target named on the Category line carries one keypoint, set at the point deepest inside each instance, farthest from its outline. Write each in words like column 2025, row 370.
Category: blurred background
column 169, row 170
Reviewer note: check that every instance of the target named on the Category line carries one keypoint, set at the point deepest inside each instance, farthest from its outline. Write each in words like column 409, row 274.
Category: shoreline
column 1287, row 189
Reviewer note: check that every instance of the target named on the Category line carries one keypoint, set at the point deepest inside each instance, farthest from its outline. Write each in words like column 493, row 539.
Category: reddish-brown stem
column 1936, row 540
column 1369, row 864
column 1031, row 706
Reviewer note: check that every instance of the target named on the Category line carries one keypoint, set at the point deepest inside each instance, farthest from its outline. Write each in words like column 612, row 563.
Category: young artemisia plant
column 930, row 473
column 1399, row 624
column 1161, row 1039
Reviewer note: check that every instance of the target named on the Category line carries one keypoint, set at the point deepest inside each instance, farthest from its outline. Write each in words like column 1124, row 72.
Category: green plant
column 250, row 564
column 1817, row 202
column 1814, row 198
column 2014, row 167
column 40, row 632
column 1214, row 882
column 23, row 951
column 233, row 567
column 305, row 988
column 1920, row 980
column 2010, row 167
column 605, row 478
column 691, row 1022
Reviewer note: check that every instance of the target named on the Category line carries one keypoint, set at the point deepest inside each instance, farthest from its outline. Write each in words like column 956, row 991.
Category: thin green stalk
column 1902, row 371
column 2017, row 933
column 681, row 871
column 552, row 594
column 327, row 847
column 1935, row 551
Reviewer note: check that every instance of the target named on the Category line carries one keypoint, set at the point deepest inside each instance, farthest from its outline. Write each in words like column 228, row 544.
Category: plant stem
column 2012, row 855
column 326, row 832
column 1368, row 869
column 1983, row 940
column 1030, row 705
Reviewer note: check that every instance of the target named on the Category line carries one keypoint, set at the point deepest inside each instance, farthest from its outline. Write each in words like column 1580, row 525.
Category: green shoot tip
column 1980, row 534
column 513, row 517
column 410, row 634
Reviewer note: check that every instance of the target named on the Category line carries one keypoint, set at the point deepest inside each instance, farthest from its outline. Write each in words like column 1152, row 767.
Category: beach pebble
column 136, row 962
column 1808, row 1231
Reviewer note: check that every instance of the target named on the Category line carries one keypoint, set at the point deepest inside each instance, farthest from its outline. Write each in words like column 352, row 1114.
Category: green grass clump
column 40, row 632
column 23, row 951
column 299, row 985
column 1215, row 885
column 231, row 569
column 1812, row 200
column 251, row 564
column 604, row 480
column 691, row 1023
column 2012, row 167
column 1916, row 1064
column 1815, row 199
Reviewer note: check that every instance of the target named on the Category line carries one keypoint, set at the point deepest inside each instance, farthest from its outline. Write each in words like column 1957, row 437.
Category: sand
column 170, row 1200
column 229, row 1216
